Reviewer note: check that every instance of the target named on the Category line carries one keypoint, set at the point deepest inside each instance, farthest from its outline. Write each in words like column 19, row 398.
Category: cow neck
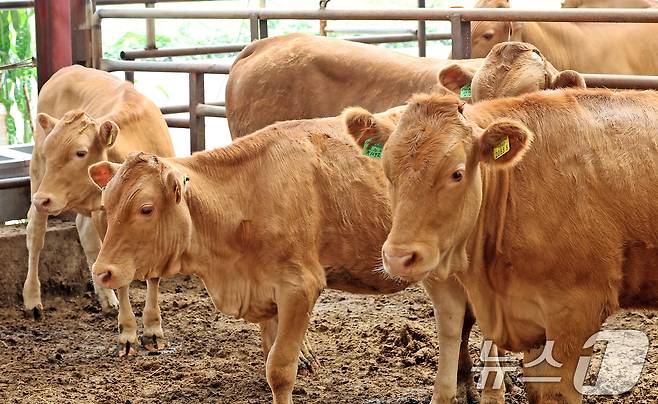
column 482, row 276
column 216, row 203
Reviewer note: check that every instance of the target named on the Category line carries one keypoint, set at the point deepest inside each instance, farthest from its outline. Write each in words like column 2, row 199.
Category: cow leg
column 450, row 303
column 127, row 325
column 294, row 308
column 307, row 359
column 153, row 338
column 91, row 244
column 494, row 389
column 36, row 231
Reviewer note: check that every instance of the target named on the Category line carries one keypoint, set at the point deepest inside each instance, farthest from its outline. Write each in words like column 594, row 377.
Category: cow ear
column 454, row 77
column 359, row 123
column 504, row 142
column 46, row 122
column 176, row 182
column 108, row 133
column 567, row 79
column 101, row 173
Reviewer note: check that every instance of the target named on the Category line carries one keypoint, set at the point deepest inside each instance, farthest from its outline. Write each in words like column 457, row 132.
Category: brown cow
column 609, row 4
column 265, row 86
column 542, row 205
column 584, row 47
column 86, row 116
column 267, row 223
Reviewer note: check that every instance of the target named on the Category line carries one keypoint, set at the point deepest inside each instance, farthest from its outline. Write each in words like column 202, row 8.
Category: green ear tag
column 374, row 150
column 465, row 91
column 502, row 149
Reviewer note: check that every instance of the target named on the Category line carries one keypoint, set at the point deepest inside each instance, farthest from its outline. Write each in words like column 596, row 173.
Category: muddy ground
column 373, row 350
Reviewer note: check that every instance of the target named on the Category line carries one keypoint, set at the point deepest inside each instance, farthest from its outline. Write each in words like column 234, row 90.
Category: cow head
column 485, row 34
column 148, row 222
column 69, row 146
column 363, row 125
column 514, row 68
column 433, row 162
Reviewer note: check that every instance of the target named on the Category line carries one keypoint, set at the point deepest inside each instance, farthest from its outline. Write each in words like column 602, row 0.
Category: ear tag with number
column 465, row 92
column 502, row 148
column 186, row 180
column 372, row 150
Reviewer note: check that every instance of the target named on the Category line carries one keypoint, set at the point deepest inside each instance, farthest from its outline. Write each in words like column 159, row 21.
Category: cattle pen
column 373, row 349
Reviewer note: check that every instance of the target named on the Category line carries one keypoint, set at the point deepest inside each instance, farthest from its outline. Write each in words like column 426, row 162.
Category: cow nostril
column 45, row 202
column 410, row 260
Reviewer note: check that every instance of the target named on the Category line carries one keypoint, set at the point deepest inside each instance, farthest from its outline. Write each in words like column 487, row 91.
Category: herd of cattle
column 534, row 212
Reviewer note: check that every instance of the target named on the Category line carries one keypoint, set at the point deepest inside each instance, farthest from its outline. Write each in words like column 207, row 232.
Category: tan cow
column 584, row 47
column 267, row 223
column 86, row 116
column 542, row 205
column 609, row 4
column 265, row 86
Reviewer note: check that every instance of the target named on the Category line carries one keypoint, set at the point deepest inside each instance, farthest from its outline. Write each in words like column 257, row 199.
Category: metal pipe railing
column 164, row 67
column 177, row 122
column 16, row 4
column 621, row 81
column 219, row 49
column 16, row 182
column 179, row 109
column 122, row 2
column 434, row 14
column 211, row 110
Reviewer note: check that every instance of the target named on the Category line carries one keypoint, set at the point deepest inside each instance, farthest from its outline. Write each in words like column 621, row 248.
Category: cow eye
column 81, row 153
column 146, row 210
column 488, row 35
column 457, row 176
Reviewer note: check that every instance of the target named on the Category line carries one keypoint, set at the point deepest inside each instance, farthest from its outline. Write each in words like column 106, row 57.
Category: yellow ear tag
column 109, row 139
column 186, row 179
column 502, row 149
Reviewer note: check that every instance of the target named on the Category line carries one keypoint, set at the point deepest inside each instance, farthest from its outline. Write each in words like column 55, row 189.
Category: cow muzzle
column 108, row 276
column 405, row 263
column 46, row 203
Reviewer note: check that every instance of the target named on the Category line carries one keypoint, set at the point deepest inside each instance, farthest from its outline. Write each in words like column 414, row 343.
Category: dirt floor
column 373, row 350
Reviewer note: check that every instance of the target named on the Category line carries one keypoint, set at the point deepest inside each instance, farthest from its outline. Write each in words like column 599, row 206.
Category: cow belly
column 241, row 299
column 516, row 324
column 640, row 277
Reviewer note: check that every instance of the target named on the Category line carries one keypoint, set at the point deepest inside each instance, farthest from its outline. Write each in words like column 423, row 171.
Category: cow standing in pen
column 542, row 205
column 86, row 116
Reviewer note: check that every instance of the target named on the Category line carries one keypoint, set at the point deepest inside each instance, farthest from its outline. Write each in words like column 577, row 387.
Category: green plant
column 16, row 83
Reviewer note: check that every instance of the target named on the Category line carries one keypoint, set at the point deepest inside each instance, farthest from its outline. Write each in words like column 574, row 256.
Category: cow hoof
column 127, row 349
column 35, row 313
column 153, row 343
column 467, row 394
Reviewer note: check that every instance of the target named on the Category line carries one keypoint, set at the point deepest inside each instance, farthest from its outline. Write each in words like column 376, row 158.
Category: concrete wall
column 62, row 268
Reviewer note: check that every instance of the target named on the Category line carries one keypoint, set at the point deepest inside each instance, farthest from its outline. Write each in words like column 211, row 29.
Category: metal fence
column 460, row 20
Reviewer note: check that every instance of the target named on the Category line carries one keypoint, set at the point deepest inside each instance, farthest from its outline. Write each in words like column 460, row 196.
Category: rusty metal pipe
column 16, row 4
column 621, row 81
column 172, row 52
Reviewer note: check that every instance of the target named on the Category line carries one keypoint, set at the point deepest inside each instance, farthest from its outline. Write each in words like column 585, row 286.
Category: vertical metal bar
column 81, row 11
column 262, row 26
column 53, row 35
column 197, row 122
column 253, row 26
column 96, row 42
column 461, row 37
column 422, row 39
column 150, row 29
column 130, row 76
